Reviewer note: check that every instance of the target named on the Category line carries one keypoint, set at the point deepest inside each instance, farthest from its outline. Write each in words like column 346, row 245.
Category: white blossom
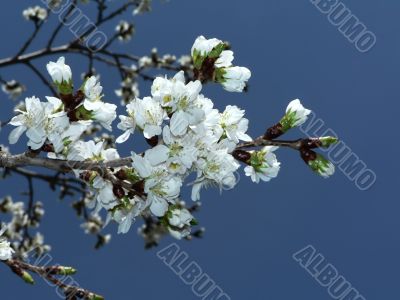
column 13, row 88
column 235, row 78
column 35, row 13
column 128, row 123
column 217, row 168
column 160, row 186
column 179, row 217
column 42, row 121
column 204, row 46
column 263, row 165
column 6, row 251
column 179, row 234
column 182, row 151
column 225, row 59
column 105, row 115
column 125, row 30
column 92, row 90
column 82, row 151
column 126, row 215
column 233, row 125
column 296, row 113
column 180, row 100
column 59, row 71
column 149, row 116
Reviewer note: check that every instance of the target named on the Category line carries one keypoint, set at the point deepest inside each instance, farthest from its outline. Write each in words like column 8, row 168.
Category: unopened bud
column 241, row 155
column 274, row 132
column 27, row 277
column 95, row 297
column 153, row 141
column 296, row 115
column 318, row 163
column 118, row 191
column 121, row 174
column 60, row 270
column 327, row 141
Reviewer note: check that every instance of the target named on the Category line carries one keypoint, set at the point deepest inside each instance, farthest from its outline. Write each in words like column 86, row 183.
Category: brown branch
column 23, row 159
column 67, row 183
column 261, row 141
column 49, row 273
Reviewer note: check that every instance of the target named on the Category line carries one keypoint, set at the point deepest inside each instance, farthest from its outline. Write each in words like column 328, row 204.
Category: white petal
column 157, row 155
column 179, row 123
column 123, row 137
column 15, row 134
column 158, row 207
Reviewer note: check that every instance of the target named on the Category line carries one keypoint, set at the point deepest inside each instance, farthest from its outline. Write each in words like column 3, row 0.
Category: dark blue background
column 252, row 232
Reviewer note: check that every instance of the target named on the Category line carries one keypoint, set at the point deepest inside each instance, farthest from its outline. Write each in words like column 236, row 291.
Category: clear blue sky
column 252, row 232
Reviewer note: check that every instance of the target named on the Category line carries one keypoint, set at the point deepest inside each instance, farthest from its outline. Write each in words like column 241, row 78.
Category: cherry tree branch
column 27, row 159
column 49, row 273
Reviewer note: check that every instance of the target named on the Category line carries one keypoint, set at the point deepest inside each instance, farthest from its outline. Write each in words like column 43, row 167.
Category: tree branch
column 49, row 273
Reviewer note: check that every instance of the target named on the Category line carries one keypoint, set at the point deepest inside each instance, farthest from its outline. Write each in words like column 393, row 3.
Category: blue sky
column 252, row 232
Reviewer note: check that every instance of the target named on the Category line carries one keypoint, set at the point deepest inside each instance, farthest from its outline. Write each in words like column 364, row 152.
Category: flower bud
column 27, row 277
column 317, row 163
column 61, row 270
column 327, row 141
column 118, row 191
column 95, row 297
column 61, row 75
column 203, row 48
column 295, row 115
column 233, row 79
column 241, row 155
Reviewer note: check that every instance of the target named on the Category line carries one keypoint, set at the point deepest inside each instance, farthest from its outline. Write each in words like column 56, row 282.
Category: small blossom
column 234, row 79
column 179, row 217
column 125, row 214
column 105, row 115
column 13, row 88
column 203, row 46
column 42, row 121
column 35, row 14
column 233, row 125
column 149, row 116
column 59, row 71
column 296, row 115
column 92, row 90
column 125, row 30
column 128, row 123
column 179, row 234
column 263, row 165
column 225, row 59
column 6, row 251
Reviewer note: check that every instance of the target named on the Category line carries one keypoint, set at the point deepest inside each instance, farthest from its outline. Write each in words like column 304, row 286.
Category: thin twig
column 42, row 78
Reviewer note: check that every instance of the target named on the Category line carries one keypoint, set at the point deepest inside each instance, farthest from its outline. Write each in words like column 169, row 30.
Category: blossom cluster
column 17, row 228
column 192, row 141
